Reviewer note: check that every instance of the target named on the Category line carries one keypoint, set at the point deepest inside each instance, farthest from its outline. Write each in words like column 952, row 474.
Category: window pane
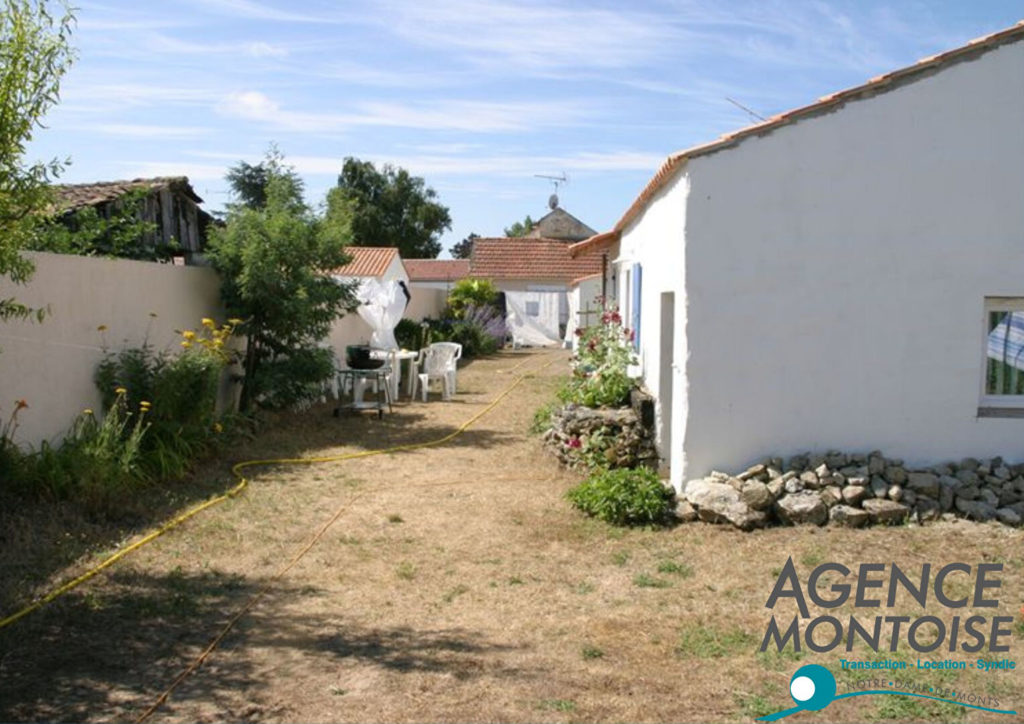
column 1005, row 352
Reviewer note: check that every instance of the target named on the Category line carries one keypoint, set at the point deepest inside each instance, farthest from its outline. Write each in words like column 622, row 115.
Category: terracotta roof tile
column 74, row 196
column 367, row 261
column 827, row 103
column 436, row 270
column 530, row 258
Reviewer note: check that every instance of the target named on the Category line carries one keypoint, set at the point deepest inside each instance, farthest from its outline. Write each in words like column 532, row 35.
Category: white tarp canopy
column 533, row 317
column 381, row 306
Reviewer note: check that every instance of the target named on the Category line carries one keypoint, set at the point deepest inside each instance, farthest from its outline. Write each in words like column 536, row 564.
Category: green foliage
column 409, row 334
column 390, row 207
column 643, row 580
column 520, row 228
column 275, row 264
column 623, row 497
column 249, row 182
column 120, row 234
column 35, row 53
column 542, row 418
column 471, row 293
column 178, row 391
column 600, row 376
column 480, row 331
column 464, row 248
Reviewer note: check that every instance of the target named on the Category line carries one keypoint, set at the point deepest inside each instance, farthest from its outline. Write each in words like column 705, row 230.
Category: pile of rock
column 855, row 489
column 618, row 435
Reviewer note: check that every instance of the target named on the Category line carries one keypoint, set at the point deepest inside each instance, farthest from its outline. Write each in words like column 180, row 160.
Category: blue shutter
column 637, row 285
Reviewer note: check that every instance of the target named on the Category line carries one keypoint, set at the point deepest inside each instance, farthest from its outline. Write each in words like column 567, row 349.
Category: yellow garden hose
column 234, row 491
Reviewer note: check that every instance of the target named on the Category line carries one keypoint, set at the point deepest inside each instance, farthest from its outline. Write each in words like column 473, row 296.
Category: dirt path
column 457, row 585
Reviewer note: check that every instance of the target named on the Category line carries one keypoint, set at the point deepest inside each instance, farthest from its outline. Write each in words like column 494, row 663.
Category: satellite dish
column 553, row 202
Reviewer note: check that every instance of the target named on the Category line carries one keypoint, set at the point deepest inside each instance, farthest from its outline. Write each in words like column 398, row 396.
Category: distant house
column 535, row 275
column 436, row 273
column 377, row 262
column 835, row 276
column 168, row 202
column 560, row 224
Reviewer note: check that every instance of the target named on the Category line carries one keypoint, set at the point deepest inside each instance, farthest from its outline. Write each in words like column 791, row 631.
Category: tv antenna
column 556, row 180
column 746, row 110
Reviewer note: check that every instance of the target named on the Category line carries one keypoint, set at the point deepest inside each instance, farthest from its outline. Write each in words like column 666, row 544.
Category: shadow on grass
column 109, row 653
column 40, row 538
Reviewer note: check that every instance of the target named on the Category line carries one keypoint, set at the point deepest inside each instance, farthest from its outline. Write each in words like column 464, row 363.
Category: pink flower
column 574, row 442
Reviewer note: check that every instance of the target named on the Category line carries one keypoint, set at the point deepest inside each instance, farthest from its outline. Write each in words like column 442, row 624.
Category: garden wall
column 50, row 365
column 425, row 303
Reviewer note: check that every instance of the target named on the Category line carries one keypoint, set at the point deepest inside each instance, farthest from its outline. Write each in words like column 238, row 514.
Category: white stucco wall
column 836, row 271
column 51, row 364
column 655, row 241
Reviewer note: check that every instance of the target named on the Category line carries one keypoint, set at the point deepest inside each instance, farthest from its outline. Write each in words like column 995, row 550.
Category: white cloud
column 162, row 43
column 251, row 10
column 142, row 130
column 454, row 115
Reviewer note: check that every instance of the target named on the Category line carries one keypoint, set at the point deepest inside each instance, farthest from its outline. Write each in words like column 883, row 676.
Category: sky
column 477, row 97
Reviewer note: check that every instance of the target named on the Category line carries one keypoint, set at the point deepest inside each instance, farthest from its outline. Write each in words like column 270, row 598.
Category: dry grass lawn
column 456, row 585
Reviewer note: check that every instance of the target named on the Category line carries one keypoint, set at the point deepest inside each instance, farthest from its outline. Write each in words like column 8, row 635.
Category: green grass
column 704, row 642
column 395, row 518
column 908, row 708
column 679, row 569
column 757, row 705
column 454, row 593
column 583, row 588
column 406, row 571
column 621, row 558
column 515, row 581
column 812, row 558
column 642, row 580
column 592, row 652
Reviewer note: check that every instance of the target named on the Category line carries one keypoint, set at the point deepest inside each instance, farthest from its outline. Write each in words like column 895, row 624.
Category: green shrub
column 604, row 353
column 409, row 334
column 623, row 497
column 471, row 293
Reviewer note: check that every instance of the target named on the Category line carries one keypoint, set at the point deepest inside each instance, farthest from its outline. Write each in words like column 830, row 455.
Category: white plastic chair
column 439, row 361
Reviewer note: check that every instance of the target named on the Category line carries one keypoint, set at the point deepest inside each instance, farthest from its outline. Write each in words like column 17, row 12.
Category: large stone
column 810, row 480
column 975, row 509
column 847, row 516
column 895, row 493
column 753, row 472
column 756, row 494
column 800, row 508
column 685, row 512
column 968, row 476
column 896, row 474
column 946, row 496
column 968, row 492
column 927, row 509
column 885, row 511
column 1008, row 516
column 776, row 486
column 832, row 495
column 858, row 480
column 720, row 502
column 793, row 485
column 879, row 487
column 988, row 496
column 853, row 494
column 876, row 464
column 924, row 483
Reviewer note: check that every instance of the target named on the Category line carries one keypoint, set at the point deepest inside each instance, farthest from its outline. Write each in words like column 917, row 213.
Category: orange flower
column 20, row 405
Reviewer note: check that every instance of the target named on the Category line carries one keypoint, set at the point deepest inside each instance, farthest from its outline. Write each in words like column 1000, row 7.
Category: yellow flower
column 234, row 321
column 218, row 428
column 186, row 344
column 120, row 391
column 145, row 405
column 217, row 343
column 188, row 334
column 207, row 322
column 87, row 411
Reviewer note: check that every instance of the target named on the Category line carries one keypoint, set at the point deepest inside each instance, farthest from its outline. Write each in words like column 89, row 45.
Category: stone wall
column 855, row 489
column 618, row 437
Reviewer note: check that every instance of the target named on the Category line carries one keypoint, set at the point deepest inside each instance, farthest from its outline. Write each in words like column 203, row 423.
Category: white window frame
column 997, row 405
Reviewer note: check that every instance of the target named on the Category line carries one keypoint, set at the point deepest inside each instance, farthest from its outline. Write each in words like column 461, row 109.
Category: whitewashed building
column 833, row 277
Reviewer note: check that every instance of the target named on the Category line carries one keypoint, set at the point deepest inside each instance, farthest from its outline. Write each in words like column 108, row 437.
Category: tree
column 275, row 264
column 392, row 208
column 520, row 228
column 464, row 248
column 118, row 232
column 249, row 182
column 35, row 53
